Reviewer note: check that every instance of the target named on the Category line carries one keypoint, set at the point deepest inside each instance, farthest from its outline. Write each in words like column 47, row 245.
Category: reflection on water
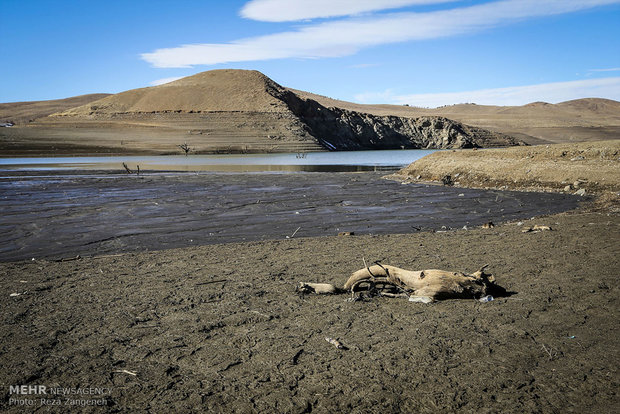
column 385, row 160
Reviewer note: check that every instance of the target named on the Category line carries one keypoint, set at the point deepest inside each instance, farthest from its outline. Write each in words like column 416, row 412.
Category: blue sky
column 420, row 52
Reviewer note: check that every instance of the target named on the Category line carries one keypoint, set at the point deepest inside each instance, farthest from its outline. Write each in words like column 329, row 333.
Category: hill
column 227, row 111
column 212, row 91
column 24, row 112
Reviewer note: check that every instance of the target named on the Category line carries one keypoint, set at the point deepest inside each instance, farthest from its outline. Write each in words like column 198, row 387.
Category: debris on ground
column 536, row 228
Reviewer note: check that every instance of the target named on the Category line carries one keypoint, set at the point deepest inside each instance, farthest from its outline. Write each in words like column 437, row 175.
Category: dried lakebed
column 65, row 215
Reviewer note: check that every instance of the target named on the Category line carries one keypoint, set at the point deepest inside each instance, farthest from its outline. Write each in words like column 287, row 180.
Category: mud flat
column 63, row 215
column 219, row 328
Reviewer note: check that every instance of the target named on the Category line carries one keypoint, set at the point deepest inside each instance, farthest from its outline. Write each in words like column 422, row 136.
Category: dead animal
column 418, row 285
column 433, row 284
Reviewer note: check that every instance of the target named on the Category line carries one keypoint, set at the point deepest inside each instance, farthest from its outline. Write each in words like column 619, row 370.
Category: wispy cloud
column 287, row 10
column 165, row 80
column 605, row 70
column 365, row 65
column 346, row 37
column 518, row 95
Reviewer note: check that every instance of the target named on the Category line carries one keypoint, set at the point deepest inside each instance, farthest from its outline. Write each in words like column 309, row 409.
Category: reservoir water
column 342, row 161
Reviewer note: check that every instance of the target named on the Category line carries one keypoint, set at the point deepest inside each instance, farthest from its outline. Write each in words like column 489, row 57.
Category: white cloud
column 287, row 10
column 346, row 37
column 165, row 80
column 518, row 95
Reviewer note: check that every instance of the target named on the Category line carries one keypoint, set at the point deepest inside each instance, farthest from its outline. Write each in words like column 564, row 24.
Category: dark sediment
column 62, row 216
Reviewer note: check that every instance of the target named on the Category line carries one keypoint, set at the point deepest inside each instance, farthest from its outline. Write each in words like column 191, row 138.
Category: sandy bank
column 592, row 166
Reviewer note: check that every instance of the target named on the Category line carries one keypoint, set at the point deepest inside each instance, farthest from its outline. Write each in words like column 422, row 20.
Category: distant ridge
column 23, row 112
column 578, row 120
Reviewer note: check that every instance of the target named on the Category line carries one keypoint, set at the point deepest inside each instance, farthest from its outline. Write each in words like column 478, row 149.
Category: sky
column 424, row 53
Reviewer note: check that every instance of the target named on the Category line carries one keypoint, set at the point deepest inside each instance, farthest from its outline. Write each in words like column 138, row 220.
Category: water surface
column 384, row 160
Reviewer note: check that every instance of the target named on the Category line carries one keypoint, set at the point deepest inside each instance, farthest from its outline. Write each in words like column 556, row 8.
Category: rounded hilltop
column 211, row 91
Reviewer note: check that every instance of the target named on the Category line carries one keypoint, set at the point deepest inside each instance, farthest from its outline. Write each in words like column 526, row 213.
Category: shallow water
column 312, row 161
column 63, row 215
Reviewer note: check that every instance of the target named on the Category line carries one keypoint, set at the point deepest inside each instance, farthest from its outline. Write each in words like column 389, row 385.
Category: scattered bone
column 320, row 288
column 335, row 342
column 536, row 228
column 420, row 299
column 294, row 233
column 124, row 371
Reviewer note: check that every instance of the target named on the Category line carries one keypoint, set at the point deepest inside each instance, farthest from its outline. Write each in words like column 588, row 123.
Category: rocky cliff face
column 341, row 129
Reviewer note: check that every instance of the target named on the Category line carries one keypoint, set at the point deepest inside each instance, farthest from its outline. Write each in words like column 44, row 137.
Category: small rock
column 578, row 158
column 447, row 180
column 580, row 192
column 567, row 188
